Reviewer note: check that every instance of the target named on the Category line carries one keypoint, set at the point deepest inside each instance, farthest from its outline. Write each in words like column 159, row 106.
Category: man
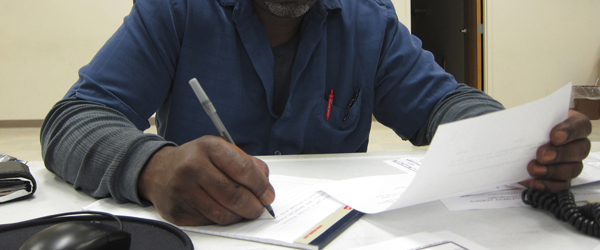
column 269, row 67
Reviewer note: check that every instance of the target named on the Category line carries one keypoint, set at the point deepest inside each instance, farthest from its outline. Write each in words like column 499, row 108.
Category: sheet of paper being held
column 464, row 157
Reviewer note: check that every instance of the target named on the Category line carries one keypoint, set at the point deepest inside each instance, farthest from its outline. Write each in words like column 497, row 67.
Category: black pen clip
column 350, row 104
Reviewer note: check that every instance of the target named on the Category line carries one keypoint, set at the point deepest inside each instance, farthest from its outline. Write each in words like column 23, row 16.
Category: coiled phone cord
column 585, row 219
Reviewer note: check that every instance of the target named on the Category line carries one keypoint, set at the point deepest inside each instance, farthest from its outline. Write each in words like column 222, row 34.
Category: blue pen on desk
column 212, row 113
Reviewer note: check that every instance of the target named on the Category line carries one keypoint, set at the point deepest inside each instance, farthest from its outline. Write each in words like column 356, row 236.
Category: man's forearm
column 462, row 103
column 96, row 148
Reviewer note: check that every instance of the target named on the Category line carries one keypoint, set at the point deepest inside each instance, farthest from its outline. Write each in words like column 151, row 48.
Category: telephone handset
column 585, row 219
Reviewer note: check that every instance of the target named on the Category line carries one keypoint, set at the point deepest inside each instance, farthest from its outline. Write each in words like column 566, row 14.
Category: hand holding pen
column 212, row 113
column 205, row 181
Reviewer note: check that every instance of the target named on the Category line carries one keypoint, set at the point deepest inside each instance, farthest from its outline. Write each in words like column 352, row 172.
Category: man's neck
column 279, row 30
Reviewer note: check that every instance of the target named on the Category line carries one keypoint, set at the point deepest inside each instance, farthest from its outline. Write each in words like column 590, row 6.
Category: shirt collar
column 332, row 6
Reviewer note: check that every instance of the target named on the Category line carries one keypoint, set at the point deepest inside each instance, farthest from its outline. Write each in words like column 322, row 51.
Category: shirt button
column 277, row 152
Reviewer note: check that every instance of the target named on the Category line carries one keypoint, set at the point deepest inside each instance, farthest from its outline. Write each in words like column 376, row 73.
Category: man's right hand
column 206, row 181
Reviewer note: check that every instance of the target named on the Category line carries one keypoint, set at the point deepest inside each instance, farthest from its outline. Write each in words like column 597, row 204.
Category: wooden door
column 473, row 44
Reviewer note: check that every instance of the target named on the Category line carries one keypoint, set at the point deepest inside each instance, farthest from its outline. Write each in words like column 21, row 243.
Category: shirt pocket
column 343, row 131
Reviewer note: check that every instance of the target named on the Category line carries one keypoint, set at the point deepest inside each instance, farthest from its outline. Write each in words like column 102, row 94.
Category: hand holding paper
column 485, row 152
column 560, row 160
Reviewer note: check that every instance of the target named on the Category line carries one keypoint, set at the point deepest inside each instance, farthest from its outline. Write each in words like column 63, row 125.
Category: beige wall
column 534, row 47
column 42, row 45
column 403, row 11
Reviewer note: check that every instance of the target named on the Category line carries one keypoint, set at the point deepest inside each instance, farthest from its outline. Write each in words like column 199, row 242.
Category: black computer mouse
column 78, row 235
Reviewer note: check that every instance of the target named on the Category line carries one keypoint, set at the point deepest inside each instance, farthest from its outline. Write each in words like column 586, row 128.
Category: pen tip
column 270, row 210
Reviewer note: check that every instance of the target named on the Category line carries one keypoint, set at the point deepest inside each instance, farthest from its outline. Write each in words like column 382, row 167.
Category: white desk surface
column 512, row 228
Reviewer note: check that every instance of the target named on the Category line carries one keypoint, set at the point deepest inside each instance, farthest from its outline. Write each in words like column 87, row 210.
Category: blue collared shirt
column 355, row 47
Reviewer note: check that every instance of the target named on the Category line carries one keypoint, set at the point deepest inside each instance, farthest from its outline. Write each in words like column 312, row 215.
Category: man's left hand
column 560, row 160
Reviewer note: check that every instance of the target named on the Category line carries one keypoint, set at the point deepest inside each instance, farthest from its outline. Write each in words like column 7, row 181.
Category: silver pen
column 212, row 113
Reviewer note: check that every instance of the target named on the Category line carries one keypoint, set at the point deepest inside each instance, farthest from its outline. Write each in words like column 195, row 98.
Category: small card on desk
column 16, row 182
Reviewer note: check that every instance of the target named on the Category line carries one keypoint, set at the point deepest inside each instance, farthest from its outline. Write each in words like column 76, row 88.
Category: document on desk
column 512, row 198
column 510, row 195
column 442, row 240
column 464, row 157
column 305, row 218
column 591, row 170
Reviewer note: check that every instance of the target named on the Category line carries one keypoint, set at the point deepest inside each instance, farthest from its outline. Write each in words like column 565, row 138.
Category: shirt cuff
column 127, row 178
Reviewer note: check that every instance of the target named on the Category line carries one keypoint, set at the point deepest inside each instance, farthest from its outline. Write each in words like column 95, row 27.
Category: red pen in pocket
column 329, row 105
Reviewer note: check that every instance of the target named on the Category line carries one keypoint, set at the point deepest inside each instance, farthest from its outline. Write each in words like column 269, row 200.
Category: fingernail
column 539, row 170
column 548, row 155
column 268, row 197
column 537, row 185
column 560, row 137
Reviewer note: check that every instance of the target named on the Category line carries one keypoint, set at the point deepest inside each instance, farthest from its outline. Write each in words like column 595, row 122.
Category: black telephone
column 584, row 218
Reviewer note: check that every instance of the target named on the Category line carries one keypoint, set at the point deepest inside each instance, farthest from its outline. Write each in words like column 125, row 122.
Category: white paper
column 591, row 170
column 487, row 151
column 510, row 195
column 381, row 192
column 491, row 200
column 443, row 240
column 470, row 155
column 15, row 194
column 409, row 165
column 512, row 198
column 298, row 207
